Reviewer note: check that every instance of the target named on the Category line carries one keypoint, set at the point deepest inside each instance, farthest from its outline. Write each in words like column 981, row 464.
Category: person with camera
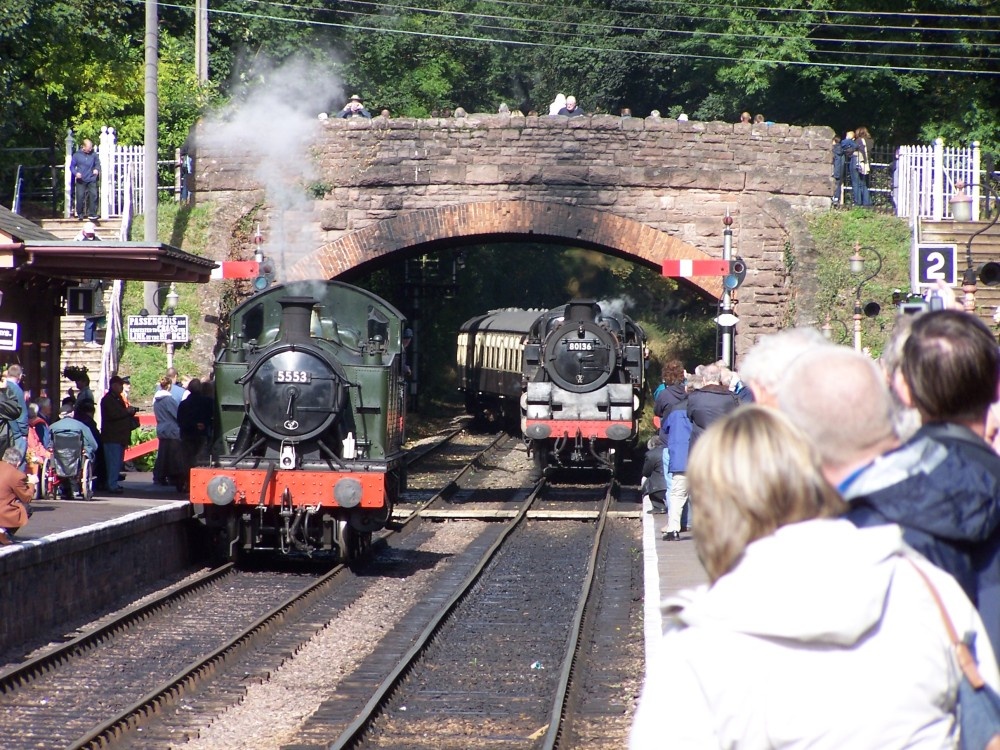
column 354, row 108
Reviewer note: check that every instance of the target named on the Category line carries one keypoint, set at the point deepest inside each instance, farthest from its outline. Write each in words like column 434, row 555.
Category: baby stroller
column 69, row 471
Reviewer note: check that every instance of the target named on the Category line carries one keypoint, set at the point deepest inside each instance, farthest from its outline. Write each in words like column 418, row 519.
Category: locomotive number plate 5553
column 580, row 346
column 292, row 376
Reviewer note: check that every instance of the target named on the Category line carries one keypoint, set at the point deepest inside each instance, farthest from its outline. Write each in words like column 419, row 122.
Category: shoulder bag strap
column 966, row 662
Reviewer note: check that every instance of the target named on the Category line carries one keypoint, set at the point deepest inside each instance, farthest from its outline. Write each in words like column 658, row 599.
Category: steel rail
column 22, row 674
column 130, row 718
column 573, row 642
column 354, row 730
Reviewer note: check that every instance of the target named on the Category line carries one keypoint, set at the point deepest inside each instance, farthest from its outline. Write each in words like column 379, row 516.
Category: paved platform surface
column 58, row 516
column 669, row 567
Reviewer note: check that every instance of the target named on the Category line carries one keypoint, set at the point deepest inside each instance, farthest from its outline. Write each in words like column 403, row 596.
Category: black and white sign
column 935, row 263
column 8, row 337
column 157, row 329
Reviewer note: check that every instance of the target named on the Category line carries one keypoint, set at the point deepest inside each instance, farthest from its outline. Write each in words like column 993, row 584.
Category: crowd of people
column 847, row 516
column 31, row 433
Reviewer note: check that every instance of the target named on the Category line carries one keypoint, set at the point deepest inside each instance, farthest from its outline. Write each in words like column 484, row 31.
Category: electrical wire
column 591, row 48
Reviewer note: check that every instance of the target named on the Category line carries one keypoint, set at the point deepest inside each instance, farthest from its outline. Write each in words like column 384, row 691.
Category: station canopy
column 128, row 261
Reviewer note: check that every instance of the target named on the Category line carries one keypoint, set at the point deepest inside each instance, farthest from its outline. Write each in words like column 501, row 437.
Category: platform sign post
column 933, row 263
column 8, row 337
column 158, row 329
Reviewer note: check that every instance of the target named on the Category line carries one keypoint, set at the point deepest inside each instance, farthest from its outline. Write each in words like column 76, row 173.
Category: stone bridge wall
column 352, row 192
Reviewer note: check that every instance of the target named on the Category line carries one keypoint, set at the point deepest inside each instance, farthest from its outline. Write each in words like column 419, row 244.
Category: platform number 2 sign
column 936, row 263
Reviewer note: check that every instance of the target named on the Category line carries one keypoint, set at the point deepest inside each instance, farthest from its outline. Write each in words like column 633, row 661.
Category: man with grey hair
column 839, row 398
column 709, row 402
column 765, row 365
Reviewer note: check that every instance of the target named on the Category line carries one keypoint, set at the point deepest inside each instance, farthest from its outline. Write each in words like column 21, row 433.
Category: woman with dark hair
column 812, row 632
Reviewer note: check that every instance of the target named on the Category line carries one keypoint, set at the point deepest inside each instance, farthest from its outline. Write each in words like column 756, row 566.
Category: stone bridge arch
column 448, row 226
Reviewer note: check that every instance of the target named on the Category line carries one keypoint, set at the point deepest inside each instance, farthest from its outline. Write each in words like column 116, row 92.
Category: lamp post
column 872, row 308
column 172, row 299
column 827, row 329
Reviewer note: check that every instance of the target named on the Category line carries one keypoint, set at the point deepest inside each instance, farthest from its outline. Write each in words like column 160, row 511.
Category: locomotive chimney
column 296, row 318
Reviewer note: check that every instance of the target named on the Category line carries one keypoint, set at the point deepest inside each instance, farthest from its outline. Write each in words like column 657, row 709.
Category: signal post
column 733, row 272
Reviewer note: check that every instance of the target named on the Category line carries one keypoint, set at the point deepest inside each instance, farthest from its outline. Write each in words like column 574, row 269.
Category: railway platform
column 85, row 554
column 668, row 567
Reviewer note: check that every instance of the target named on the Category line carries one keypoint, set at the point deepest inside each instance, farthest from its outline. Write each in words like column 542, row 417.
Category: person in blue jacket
column 85, row 166
column 679, row 427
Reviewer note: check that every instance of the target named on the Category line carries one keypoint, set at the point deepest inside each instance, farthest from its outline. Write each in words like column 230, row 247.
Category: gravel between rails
column 271, row 713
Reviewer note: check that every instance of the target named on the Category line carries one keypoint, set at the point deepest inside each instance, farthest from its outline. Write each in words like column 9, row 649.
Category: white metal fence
column 927, row 178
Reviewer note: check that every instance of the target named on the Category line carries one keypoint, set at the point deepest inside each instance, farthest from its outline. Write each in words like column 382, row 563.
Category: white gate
column 927, row 177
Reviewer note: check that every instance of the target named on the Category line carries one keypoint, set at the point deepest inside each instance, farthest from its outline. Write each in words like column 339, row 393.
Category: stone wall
column 356, row 190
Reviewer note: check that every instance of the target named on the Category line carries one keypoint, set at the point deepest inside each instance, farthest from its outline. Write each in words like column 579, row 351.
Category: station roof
column 26, row 248
column 128, row 261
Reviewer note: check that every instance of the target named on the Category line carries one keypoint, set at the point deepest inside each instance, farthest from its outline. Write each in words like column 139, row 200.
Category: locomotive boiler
column 306, row 454
column 576, row 372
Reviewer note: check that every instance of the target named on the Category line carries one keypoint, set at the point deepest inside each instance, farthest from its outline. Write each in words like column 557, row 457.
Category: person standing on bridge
column 354, row 108
column 813, row 632
column 571, row 109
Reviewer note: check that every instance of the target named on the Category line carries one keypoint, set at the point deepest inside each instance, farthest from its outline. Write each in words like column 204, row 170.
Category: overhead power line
column 840, row 65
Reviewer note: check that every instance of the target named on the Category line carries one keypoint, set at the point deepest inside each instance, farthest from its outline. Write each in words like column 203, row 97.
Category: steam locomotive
column 306, row 455
column 574, row 375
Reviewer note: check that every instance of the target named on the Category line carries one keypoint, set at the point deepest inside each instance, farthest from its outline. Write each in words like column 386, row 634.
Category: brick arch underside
column 494, row 221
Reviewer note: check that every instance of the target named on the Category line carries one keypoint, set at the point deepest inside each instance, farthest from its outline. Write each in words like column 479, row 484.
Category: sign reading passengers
column 157, row 329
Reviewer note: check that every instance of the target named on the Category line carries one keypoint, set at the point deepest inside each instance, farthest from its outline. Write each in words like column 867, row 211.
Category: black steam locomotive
column 574, row 375
column 307, row 452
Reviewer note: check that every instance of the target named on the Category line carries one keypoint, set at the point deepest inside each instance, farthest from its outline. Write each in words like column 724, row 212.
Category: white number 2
column 935, row 267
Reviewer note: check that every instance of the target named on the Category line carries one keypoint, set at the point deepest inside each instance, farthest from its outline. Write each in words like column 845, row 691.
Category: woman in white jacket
column 812, row 633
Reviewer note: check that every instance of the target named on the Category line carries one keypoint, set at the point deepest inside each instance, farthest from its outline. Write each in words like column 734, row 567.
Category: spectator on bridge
column 863, row 163
column 354, row 108
column 746, row 117
column 813, row 632
column 838, row 163
column 767, row 361
column 16, row 493
column 85, row 166
column 116, row 432
column 570, row 109
column 557, row 104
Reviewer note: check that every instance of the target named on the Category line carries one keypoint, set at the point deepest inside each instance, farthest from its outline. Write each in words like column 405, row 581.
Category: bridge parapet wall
column 677, row 178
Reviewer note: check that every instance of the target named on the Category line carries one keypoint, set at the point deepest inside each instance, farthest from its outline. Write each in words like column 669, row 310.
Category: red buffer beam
column 688, row 267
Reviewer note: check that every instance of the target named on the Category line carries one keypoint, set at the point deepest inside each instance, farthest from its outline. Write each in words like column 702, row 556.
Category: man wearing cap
column 116, row 431
column 354, row 108
column 88, row 233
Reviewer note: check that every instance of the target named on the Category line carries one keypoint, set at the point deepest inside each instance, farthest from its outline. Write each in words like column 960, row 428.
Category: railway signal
column 733, row 272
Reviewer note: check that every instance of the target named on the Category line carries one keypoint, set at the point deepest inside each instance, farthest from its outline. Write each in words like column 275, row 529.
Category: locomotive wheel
column 87, row 479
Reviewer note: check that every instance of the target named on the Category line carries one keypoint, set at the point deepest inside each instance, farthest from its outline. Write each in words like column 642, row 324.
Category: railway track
column 321, row 642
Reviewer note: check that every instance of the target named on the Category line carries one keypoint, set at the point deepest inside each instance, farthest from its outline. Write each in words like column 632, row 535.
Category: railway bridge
column 340, row 195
